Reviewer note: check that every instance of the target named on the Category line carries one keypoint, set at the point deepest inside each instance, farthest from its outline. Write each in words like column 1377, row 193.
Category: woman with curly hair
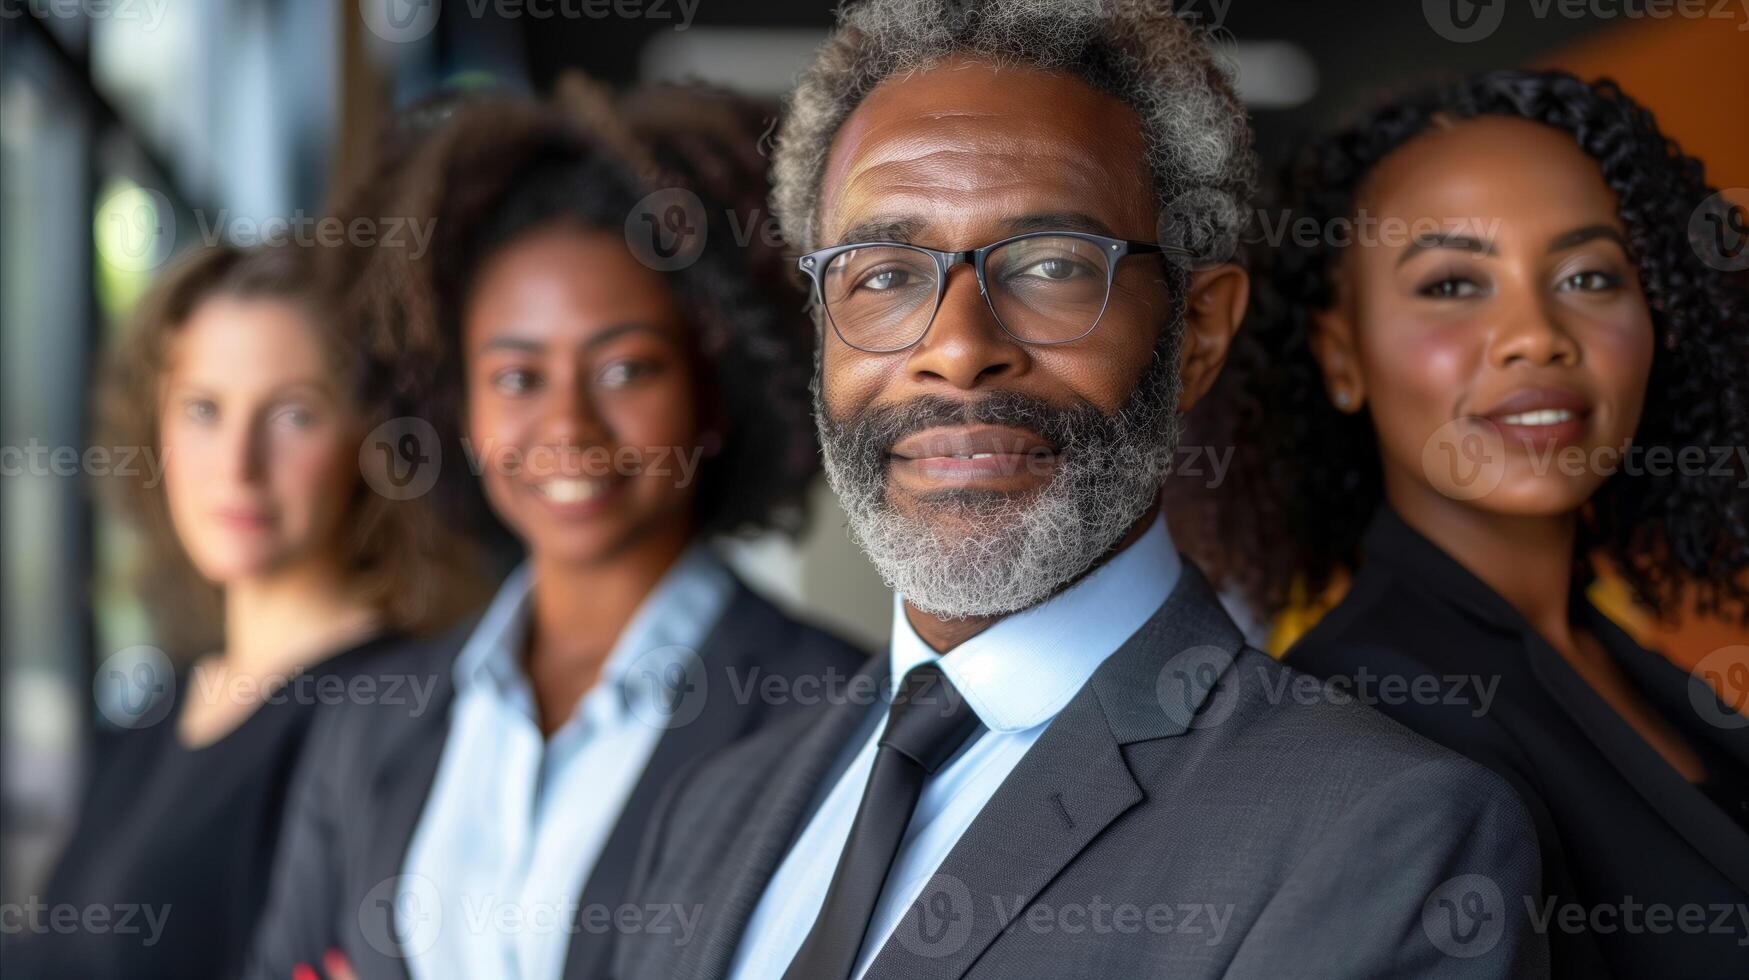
column 624, row 393
column 275, row 576
column 1481, row 374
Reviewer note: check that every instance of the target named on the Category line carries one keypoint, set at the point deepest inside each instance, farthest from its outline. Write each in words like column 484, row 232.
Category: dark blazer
column 178, row 842
column 1617, row 823
column 1219, row 814
column 370, row 767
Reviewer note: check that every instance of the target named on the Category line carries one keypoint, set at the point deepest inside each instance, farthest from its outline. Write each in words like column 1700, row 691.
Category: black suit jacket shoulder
column 1429, row 644
column 1257, row 825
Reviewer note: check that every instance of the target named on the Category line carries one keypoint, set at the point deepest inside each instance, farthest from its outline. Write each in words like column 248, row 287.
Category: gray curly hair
column 1193, row 125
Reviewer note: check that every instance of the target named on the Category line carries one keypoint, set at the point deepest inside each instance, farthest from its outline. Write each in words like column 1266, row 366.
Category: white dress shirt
column 515, row 821
column 1017, row 675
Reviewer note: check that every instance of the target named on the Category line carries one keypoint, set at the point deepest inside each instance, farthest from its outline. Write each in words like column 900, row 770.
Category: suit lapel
column 1684, row 696
column 796, row 779
column 400, row 792
column 733, row 646
column 1708, row 829
column 1069, row 787
column 1682, row 804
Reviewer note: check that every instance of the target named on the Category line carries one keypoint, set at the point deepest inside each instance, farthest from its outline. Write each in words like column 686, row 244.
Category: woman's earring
column 1342, row 399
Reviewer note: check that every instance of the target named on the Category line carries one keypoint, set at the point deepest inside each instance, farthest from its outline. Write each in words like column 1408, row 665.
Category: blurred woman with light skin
column 1461, row 408
column 271, row 563
column 260, row 463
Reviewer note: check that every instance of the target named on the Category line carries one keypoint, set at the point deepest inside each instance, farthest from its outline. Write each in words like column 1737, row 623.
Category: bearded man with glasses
column 1008, row 213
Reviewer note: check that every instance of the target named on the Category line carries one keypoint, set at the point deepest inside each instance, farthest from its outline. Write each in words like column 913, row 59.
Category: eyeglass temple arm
column 1149, row 248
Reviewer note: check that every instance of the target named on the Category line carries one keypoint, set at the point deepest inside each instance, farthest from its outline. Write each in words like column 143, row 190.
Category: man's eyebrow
column 1580, row 236
column 903, row 231
column 1443, row 239
column 908, row 230
column 1058, row 221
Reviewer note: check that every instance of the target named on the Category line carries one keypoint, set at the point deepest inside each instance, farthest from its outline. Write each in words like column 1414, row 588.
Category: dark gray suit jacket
column 1196, row 811
column 368, row 769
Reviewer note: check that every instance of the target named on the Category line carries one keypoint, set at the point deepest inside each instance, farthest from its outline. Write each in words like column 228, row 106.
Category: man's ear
column 1214, row 309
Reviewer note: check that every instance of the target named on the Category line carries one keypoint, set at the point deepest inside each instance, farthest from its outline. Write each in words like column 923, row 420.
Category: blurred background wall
column 132, row 128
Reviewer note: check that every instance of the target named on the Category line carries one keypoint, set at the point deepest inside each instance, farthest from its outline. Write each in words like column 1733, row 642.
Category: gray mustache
column 874, row 430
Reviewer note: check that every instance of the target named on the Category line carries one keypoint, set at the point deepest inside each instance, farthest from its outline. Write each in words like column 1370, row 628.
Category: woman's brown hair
column 398, row 556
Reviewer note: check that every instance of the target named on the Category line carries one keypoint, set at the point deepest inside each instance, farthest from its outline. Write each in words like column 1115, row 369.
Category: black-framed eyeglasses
column 1044, row 287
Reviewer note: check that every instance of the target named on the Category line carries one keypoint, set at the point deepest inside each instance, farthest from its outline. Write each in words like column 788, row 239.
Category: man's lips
column 971, row 441
column 972, row 454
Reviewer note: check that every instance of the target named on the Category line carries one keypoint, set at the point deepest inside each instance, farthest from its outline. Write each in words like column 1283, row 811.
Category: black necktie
column 926, row 725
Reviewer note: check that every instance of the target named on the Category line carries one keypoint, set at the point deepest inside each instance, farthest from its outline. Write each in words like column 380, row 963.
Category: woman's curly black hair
column 505, row 166
column 1307, row 479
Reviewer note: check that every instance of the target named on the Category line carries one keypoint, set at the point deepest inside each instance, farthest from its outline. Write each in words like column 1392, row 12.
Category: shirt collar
column 1022, row 670
column 490, row 654
column 669, row 627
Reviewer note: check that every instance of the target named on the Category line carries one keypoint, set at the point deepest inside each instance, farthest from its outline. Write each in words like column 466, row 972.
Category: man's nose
column 965, row 346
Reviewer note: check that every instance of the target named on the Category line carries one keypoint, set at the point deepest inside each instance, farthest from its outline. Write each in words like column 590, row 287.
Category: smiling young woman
column 1459, row 407
column 618, row 410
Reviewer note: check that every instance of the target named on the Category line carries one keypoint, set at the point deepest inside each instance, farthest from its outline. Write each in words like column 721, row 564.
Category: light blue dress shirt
column 515, row 821
column 1017, row 675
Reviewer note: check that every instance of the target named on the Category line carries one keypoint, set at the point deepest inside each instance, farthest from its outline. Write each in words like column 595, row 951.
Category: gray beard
column 962, row 554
